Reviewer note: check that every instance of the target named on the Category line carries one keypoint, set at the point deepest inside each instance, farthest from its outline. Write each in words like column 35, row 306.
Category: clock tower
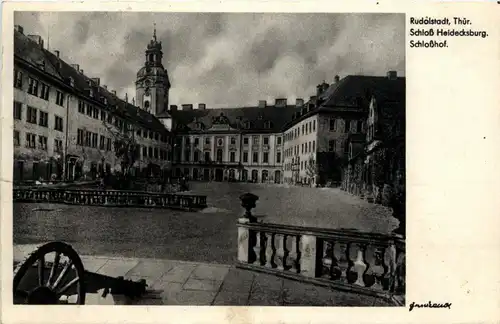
column 152, row 84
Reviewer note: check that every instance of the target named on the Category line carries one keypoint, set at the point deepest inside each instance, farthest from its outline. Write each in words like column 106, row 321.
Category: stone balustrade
column 111, row 198
column 342, row 259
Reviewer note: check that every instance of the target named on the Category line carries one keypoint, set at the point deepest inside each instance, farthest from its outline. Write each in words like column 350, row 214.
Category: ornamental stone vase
column 248, row 201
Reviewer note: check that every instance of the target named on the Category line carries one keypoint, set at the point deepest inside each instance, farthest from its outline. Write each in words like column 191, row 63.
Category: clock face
column 147, row 83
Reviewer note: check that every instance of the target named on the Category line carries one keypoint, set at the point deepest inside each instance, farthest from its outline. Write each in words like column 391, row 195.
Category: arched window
column 146, row 105
column 219, row 155
column 265, row 175
column 151, row 57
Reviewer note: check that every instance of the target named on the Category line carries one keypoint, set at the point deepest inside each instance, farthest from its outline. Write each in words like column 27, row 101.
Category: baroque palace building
column 66, row 123
column 60, row 115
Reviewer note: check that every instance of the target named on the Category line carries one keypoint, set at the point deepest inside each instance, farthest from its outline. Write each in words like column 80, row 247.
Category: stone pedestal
column 308, row 257
column 243, row 241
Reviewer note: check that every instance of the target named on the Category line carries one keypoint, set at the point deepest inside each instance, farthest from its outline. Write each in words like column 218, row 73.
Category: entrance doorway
column 195, row 174
column 277, row 176
column 219, row 174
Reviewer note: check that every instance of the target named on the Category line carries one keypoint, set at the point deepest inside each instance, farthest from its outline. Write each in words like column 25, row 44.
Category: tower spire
column 154, row 31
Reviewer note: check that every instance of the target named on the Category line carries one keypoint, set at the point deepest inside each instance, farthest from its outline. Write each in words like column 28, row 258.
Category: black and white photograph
column 209, row 159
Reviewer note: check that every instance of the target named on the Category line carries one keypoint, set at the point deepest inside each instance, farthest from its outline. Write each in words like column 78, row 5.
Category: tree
column 311, row 169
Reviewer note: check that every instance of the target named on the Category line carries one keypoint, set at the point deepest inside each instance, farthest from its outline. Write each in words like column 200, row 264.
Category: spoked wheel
column 48, row 275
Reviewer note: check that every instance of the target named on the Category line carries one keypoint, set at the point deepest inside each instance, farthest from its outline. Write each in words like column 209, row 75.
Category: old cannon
column 54, row 271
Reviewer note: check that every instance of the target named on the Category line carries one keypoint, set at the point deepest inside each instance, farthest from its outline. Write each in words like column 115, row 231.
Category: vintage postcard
column 269, row 161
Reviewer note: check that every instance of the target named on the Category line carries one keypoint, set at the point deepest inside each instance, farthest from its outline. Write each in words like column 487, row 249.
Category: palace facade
column 66, row 124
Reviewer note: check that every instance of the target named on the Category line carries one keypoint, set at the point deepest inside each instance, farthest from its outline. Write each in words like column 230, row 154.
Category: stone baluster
column 341, row 254
column 359, row 265
column 293, row 258
column 279, row 255
column 390, row 263
column 270, row 250
column 258, row 248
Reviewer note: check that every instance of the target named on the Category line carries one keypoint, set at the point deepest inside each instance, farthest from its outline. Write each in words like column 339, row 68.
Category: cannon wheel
column 49, row 290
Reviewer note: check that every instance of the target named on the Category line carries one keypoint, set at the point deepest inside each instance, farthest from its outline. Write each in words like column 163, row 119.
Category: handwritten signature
column 429, row 305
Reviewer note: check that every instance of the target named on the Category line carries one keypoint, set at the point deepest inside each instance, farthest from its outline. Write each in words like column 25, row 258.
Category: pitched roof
column 236, row 117
column 34, row 54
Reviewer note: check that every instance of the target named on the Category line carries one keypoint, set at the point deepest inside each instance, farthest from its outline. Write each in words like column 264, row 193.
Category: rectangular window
column 18, row 109
column 333, row 125
column 44, row 119
column 196, row 156
column 255, row 157
column 245, row 140
column 110, row 119
column 302, row 148
column 103, row 115
column 58, row 123
column 265, row 158
column 314, row 146
column 30, row 140
column 207, row 140
column 150, row 151
column 314, row 125
column 31, row 115
column 144, row 151
column 79, row 137
column 233, row 140
column 156, row 152
column 96, row 113
column 245, row 157
column 102, row 141
column 347, row 125
column 255, row 140
column 44, row 93
column 60, row 98
column 150, row 134
column 88, row 139
column 331, row 146
column 232, row 157
column 94, row 140
column 18, row 79
column 17, row 139
column 33, row 86
column 42, row 142
column 138, row 132
column 81, row 107
column 90, row 109
column 278, row 157
column 266, row 140
column 108, row 144
column 57, row 145
column 196, row 141
column 303, row 130
column 309, row 147
column 278, row 140
column 207, row 156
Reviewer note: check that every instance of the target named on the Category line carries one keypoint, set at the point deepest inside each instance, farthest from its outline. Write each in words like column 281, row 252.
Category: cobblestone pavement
column 191, row 283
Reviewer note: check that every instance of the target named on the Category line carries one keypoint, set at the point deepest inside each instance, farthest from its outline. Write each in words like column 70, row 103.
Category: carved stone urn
column 248, row 201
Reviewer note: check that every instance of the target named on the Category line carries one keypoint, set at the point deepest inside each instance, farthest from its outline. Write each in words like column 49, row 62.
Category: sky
column 225, row 59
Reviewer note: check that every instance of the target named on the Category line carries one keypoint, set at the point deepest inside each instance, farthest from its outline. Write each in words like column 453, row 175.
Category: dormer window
column 248, row 125
column 268, row 124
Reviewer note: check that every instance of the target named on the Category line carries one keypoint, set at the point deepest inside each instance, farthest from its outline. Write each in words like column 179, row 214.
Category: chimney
column 201, row 106
column 262, row 103
column 299, row 102
column 126, row 97
column 337, row 79
column 37, row 39
column 76, row 67
column 281, row 102
column 113, row 92
column 173, row 107
column 187, row 107
column 97, row 81
column 105, row 86
column 392, row 75
column 19, row 29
